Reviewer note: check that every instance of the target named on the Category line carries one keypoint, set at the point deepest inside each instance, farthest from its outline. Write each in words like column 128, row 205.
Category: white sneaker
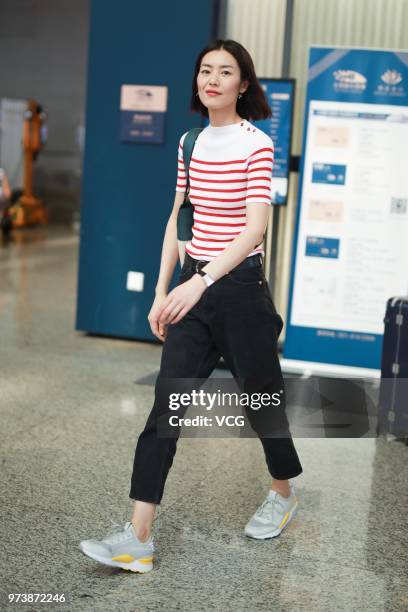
column 121, row 548
column 272, row 516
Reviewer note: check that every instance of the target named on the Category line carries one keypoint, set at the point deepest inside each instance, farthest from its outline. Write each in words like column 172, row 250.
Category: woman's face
column 219, row 72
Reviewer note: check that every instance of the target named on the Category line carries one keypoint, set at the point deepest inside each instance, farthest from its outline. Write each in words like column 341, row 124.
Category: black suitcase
column 393, row 396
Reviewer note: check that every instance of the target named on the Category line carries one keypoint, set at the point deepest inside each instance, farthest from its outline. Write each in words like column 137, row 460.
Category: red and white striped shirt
column 231, row 167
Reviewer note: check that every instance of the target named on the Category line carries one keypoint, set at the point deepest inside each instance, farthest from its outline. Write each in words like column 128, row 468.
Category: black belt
column 190, row 263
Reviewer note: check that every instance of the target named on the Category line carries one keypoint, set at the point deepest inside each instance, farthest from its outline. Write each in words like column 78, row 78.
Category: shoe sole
column 275, row 532
column 140, row 566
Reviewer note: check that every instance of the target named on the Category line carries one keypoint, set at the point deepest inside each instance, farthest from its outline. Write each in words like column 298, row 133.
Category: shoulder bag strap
column 188, row 146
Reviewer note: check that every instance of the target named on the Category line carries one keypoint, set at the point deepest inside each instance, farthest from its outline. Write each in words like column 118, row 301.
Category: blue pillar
column 128, row 188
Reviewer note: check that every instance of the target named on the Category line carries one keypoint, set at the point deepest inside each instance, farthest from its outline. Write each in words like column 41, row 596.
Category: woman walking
column 222, row 303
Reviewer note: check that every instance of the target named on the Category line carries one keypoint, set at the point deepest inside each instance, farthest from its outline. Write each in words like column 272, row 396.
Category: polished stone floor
column 70, row 414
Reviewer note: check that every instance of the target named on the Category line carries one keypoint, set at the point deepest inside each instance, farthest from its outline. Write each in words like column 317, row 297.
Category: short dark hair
column 253, row 103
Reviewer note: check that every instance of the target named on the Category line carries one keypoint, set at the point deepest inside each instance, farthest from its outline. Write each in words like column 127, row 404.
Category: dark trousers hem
column 143, row 499
column 287, row 475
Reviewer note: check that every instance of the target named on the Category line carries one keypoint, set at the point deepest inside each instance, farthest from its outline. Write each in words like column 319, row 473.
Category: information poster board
column 350, row 249
column 142, row 112
column 280, row 95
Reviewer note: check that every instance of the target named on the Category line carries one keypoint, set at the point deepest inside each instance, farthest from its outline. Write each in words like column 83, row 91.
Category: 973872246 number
column 36, row 597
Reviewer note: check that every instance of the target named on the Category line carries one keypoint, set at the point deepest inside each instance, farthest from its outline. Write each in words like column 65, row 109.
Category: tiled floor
column 70, row 413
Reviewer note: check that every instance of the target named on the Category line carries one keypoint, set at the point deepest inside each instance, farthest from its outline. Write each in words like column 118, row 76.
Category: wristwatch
column 207, row 278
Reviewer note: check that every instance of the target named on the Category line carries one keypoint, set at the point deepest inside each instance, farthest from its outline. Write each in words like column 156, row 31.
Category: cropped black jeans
column 236, row 318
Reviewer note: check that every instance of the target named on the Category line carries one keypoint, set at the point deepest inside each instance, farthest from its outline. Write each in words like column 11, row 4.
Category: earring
column 240, row 96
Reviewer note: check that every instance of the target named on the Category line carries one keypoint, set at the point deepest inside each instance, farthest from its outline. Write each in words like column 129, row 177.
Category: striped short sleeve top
column 231, row 168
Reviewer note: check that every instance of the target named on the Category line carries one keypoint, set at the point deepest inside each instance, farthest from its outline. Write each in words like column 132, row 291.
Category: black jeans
column 235, row 318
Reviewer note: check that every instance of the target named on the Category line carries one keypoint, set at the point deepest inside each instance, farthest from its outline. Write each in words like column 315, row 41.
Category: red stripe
column 244, row 180
column 221, row 224
column 258, row 187
column 206, row 231
column 258, row 250
column 260, row 151
column 216, row 163
column 194, row 255
column 243, row 160
column 207, row 214
column 255, row 161
column 219, row 190
column 258, row 169
column 217, row 208
column 216, row 171
column 219, row 199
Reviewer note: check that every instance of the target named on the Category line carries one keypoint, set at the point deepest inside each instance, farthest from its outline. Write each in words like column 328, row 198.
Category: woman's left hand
column 180, row 300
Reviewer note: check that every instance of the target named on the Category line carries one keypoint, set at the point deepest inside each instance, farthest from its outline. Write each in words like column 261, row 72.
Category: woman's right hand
column 159, row 331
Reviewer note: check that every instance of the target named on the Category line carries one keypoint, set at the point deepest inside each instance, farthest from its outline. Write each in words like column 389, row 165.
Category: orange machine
column 29, row 210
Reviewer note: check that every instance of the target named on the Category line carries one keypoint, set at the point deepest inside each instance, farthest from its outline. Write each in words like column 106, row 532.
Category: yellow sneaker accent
column 146, row 560
column 283, row 521
column 124, row 558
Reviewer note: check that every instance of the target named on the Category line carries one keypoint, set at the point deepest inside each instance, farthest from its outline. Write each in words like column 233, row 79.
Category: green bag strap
column 188, row 146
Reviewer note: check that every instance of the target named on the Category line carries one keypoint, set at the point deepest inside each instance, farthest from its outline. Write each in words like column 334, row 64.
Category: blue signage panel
column 316, row 246
column 329, row 173
column 280, row 95
column 350, row 246
column 141, row 127
column 142, row 113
